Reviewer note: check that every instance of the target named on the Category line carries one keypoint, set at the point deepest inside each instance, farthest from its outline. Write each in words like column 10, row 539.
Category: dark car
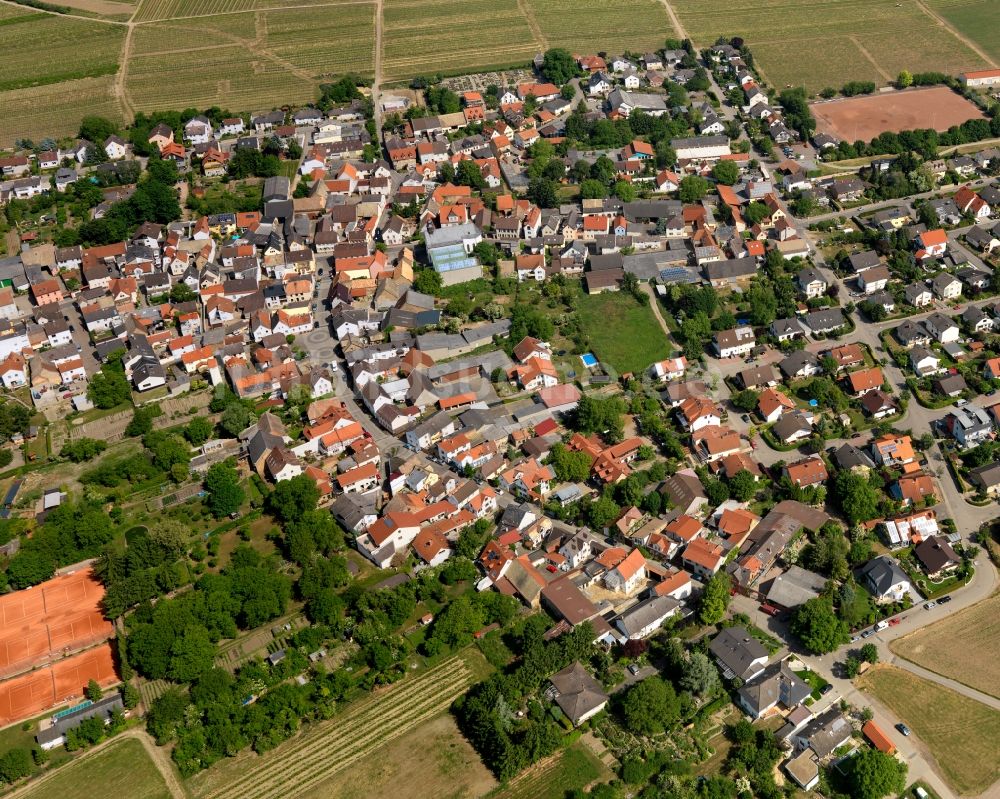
column 903, row 729
column 825, row 689
column 944, row 599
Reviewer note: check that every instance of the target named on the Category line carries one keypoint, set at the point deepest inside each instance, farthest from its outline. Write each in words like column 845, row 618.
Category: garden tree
column 869, row 653
column 96, row 129
column 569, row 466
column 543, row 192
column 315, row 532
column 715, row 599
column 693, row 189
column 235, row 418
column 746, row 400
column 818, row 627
column 827, row 552
column 851, row 667
column 624, row 191
column 526, row 320
column 473, row 538
column 559, row 66
column 763, row 303
column 568, row 92
column 168, row 449
column 743, row 486
column 290, row 499
column 650, row 707
column 826, row 393
column 599, row 415
column 28, row 568
column 222, row 482
column 470, row 174
column 82, row 449
column 755, row 211
column 94, row 692
column 142, row 420
column 857, row 498
column 15, row 764
column 726, row 172
column 652, row 503
column 199, row 430
column 602, row 513
column 487, row 252
column 872, row 774
column 191, row 654
column 592, row 189
column 428, row 281
column 603, row 169
column 109, row 387
column 699, row 675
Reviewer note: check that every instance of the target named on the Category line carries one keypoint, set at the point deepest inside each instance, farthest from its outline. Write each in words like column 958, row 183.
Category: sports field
column 962, row 735
column 309, row 761
column 962, row 646
column 819, row 45
column 123, row 768
column 30, row 694
column 866, row 117
column 59, row 616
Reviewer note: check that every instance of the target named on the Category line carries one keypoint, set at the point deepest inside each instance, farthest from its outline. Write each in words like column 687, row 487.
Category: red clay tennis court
column 31, row 694
column 56, row 617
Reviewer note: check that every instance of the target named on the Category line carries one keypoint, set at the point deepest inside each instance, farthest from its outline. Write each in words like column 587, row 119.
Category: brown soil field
column 106, row 8
column 962, row 646
column 866, row 117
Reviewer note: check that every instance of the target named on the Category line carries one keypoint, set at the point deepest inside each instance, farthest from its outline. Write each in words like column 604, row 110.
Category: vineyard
column 611, row 25
column 56, row 110
column 330, row 747
column 428, row 36
column 152, row 10
column 324, row 41
column 42, row 49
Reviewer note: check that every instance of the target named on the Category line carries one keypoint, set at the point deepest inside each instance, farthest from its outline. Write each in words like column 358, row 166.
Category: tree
column 603, row 512
column 755, row 212
column 693, row 189
column 569, row 466
column 857, row 497
column 543, row 192
column 235, row 418
column 96, row 129
column 109, row 387
column 182, row 292
column 225, row 495
column 15, row 764
column 872, row 774
column 746, row 400
column 428, row 281
column 726, row 172
column 199, row 430
column 559, row 66
column 715, row 599
column 82, row 449
column 29, row 567
column 191, row 654
column 624, row 191
column 904, row 80
column 292, row 498
column 592, row 189
column 699, row 675
column 869, row 653
column 649, row 707
column 743, row 486
column 94, row 692
column 818, row 627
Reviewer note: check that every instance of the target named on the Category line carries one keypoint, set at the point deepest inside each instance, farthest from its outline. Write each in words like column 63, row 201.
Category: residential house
column 738, row 654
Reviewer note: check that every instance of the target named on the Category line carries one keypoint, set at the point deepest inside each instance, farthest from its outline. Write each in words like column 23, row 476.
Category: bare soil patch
column 866, row 117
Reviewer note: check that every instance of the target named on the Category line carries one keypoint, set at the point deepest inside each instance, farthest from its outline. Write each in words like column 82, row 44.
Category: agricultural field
column 961, row 646
column 963, row 735
column 122, row 768
column 571, row 769
column 322, row 41
column 428, row 36
column 849, row 40
column 447, row 764
column 327, row 749
column 56, row 110
column 118, row 10
column 614, row 25
column 605, row 316
column 152, row 10
column 979, row 20
column 25, row 37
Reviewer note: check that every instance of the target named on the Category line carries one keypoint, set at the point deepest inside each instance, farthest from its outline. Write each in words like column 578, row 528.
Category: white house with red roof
column 628, row 574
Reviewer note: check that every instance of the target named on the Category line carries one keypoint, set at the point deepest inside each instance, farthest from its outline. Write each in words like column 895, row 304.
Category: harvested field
column 447, row 764
column 613, row 25
column 963, row 735
column 122, row 768
column 848, row 40
column 428, row 36
column 962, row 646
column 33, row 693
column 866, row 117
column 59, row 616
column 978, row 20
column 329, row 748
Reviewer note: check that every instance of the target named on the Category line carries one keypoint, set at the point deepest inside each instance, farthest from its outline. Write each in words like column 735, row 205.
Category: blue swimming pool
column 588, row 360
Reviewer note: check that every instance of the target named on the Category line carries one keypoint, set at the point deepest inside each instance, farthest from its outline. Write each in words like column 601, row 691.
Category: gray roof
column 777, row 683
column 881, row 573
column 794, row 587
column 578, row 692
column 737, row 650
column 636, row 618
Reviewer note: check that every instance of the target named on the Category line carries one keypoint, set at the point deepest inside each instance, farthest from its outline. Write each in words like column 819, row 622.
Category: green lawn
column 575, row 768
column 121, row 769
column 815, row 682
column 624, row 335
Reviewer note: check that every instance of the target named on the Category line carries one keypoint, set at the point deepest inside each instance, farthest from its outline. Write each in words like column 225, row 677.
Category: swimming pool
column 588, row 360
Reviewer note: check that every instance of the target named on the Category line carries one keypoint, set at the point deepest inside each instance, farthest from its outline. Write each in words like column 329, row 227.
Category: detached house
column 737, row 342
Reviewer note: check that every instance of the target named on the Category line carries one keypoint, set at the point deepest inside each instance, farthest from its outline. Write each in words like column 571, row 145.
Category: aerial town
column 619, row 426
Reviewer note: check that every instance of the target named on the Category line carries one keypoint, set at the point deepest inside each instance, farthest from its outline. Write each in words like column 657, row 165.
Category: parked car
column 634, row 668
column 929, row 605
column 903, row 728
column 825, row 689
column 894, row 621
column 882, row 625
column 945, row 598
